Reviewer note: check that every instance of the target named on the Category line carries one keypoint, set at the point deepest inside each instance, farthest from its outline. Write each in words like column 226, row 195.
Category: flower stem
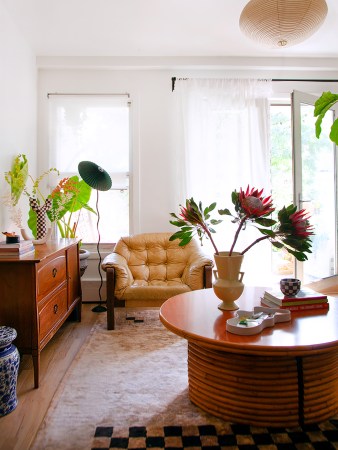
column 236, row 235
column 254, row 243
column 211, row 239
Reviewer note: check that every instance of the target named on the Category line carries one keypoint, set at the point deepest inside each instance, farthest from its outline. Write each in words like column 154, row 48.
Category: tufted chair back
column 146, row 269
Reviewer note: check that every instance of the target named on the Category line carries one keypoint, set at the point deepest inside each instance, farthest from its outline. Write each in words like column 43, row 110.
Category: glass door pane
column 315, row 186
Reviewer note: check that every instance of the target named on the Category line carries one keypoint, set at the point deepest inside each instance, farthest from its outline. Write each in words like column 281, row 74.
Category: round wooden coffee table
column 284, row 376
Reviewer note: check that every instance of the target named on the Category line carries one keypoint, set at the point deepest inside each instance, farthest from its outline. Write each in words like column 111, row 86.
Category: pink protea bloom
column 254, row 204
column 300, row 223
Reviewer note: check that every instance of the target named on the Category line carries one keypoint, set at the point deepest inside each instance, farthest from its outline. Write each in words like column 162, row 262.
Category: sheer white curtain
column 224, row 145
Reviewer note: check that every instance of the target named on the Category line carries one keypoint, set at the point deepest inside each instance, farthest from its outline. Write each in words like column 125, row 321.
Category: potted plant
column 62, row 206
column 69, row 197
column 290, row 231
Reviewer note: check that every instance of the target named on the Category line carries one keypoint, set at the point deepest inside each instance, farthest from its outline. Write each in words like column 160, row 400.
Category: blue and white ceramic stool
column 9, row 366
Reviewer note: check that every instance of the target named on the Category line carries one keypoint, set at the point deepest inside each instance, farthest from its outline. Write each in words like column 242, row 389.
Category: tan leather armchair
column 146, row 269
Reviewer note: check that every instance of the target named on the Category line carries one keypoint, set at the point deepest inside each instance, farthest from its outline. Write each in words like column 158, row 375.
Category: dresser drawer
column 52, row 312
column 50, row 275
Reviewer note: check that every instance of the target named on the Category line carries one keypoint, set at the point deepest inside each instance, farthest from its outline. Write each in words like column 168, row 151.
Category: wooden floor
column 18, row 429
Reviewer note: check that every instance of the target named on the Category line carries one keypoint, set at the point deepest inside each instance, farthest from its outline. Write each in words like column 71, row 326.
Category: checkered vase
column 41, row 220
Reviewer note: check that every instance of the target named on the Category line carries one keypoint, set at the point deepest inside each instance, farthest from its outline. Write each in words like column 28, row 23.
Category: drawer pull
column 54, row 272
column 56, row 309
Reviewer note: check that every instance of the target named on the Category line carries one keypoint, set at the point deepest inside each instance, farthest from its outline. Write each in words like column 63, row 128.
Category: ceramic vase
column 228, row 285
column 9, row 366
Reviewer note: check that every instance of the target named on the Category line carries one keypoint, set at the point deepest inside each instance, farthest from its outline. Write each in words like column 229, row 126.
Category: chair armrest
column 123, row 275
column 197, row 274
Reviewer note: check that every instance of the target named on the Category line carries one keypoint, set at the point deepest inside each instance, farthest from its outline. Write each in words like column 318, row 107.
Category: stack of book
column 17, row 249
column 305, row 299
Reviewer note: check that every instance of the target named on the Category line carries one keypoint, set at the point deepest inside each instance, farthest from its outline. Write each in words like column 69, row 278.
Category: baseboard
column 90, row 290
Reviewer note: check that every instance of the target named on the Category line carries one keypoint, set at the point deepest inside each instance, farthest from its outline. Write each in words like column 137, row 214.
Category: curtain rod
column 173, row 80
column 63, row 93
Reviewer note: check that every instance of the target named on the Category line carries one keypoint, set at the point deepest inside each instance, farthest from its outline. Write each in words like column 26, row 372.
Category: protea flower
column 301, row 224
column 253, row 204
column 193, row 218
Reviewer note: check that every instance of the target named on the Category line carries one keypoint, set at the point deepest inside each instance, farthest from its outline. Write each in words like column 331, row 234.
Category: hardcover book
column 16, row 245
column 303, row 295
column 324, row 304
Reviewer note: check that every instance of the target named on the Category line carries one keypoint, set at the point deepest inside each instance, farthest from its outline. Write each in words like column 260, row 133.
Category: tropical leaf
column 31, row 222
column 322, row 105
column 334, row 132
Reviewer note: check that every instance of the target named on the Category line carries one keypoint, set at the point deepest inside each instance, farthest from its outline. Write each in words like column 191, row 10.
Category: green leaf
column 224, row 212
column 298, row 255
column 31, row 222
column 234, row 197
column 267, row 232
column 81, row 197
column 185, row 241
column 322, row 105
column 265, row 222
column 277, row 244
column 17, row 177
column 210, row 208
column 88, row 208
column 334, row 132
column 179, row 223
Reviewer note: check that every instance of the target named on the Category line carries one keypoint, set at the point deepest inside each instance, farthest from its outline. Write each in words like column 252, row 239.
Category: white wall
column 152, row 133
column 18, row 121
column 153, row 114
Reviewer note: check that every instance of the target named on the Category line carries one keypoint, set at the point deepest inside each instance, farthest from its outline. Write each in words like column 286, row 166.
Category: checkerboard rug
column 213, row 437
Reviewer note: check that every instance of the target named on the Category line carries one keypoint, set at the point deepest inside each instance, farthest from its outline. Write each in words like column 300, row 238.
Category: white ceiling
column 153, row 28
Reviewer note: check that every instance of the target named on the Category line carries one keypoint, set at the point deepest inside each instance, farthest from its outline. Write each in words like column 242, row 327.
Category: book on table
column 15, row 246
column 304, row 305
column 305, row 299
column 304, row 295
column 15, row 252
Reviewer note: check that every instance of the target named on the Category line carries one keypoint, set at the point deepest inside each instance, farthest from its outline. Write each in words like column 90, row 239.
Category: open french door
column 315, row 186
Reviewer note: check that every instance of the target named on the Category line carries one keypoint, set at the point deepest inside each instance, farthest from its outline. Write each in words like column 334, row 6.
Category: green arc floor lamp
column 98, row 179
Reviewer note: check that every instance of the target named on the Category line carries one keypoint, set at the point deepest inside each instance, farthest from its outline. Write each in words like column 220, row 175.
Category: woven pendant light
column 281, row 23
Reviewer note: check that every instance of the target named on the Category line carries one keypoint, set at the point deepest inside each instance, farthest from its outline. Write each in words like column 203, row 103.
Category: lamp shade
column 94, row 176
column 281, row 23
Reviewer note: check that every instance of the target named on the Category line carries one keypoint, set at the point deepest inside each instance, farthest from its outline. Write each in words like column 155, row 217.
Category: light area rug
column 135, row 375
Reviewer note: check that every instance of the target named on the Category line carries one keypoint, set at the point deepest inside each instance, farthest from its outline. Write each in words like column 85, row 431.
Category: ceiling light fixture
column 282, row 23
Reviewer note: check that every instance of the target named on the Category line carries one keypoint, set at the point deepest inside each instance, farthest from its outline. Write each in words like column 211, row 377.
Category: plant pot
column 228, row 285
column 83, row 256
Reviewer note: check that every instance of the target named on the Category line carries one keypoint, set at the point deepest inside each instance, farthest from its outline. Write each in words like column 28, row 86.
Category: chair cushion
column 153, row 258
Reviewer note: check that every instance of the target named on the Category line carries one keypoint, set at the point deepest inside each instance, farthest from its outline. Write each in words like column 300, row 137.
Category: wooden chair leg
column 110, row 286
column 207, row 277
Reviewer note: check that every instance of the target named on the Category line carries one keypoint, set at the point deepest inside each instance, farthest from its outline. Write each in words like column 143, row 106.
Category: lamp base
column 99, row 308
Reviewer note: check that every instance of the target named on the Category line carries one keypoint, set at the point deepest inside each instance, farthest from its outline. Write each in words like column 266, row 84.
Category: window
column 95, row 128
column 281, row 178
column 306, row 176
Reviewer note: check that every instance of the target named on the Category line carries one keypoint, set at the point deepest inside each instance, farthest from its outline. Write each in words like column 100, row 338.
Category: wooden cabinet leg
column 36, row 366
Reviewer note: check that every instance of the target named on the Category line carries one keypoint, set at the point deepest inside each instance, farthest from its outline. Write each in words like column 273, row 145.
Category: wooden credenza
column 38, row 292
